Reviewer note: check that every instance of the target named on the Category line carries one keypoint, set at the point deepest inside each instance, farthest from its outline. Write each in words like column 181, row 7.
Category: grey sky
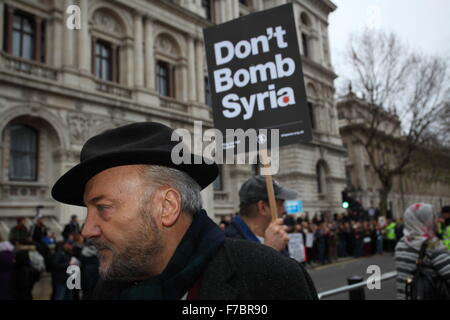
column 422, row 24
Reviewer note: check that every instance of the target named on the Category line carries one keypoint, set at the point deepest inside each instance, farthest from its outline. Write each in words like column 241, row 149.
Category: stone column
column 84, row 44
column 68, row 48
column 184, row 77
column 128, row 51
column 149, row 54
column 191, row 69
column 138, row 51
column 199, row 71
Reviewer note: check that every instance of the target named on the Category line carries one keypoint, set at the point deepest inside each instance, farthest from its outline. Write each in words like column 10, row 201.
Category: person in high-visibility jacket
column 390, row 236
column 446, row 233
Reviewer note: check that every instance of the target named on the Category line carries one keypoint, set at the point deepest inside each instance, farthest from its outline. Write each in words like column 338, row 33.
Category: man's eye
column 102, row 208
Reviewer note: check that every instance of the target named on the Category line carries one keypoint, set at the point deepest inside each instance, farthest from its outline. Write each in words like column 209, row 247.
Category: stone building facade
column 131, row 61
column 429, row 182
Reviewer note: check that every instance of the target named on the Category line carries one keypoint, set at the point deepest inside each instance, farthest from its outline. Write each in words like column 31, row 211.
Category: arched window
column 108, row 36
column 164, row 79
column 168, row 70
column 321, row 177
column 312, row 102
column 23, row 153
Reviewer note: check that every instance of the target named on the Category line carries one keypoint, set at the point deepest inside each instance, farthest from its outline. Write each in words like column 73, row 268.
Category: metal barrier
column 332, row 292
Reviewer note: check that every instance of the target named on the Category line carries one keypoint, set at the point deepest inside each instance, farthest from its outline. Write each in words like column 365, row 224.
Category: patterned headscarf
column 419, row 224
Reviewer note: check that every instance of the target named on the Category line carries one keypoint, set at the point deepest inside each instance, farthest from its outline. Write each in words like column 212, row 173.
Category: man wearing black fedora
column 145, row 216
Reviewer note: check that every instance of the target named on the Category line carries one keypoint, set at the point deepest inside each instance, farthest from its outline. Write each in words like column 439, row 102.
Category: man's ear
column 171, row 207
column 263, row 208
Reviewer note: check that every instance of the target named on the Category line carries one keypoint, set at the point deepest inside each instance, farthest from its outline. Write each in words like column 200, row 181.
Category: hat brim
column 69, row 189
column 287, row 194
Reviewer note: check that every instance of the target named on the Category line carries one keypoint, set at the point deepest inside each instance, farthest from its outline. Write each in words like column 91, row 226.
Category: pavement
column 335, row 275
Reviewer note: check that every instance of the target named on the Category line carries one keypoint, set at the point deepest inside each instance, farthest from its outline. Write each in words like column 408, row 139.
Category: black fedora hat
column 137, row 143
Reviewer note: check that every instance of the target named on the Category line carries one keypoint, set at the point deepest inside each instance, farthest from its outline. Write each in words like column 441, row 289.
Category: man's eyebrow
column 95, row 199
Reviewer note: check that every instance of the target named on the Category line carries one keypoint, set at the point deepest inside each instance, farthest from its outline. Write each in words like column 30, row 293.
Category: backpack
column 426, row 284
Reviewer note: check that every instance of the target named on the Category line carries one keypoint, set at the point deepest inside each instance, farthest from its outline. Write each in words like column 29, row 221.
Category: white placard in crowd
column 309, row 240
column 296, row 246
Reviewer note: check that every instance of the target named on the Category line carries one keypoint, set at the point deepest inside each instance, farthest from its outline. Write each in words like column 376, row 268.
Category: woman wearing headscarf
column 419, row 220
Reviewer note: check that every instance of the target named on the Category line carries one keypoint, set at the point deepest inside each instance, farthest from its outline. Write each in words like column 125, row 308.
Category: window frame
column 32, row 20
column 109, row 46
column 169, row 81
column 35, row 154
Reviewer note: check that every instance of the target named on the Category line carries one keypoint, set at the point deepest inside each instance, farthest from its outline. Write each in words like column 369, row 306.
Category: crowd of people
column 29, row 252
column 350, row 234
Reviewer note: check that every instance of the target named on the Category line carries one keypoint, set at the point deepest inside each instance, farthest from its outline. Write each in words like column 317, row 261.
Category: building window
column 208, row 98
column 163, row 79
column 207, row 6
column 311, row 115
column 244, row 2
column 103, row 60
column 218, row 183
column 23, row 36
column 320, row 176
column 305, row 45
column 23, row 153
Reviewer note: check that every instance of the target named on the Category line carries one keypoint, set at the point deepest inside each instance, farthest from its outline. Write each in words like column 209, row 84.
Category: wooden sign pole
column 269, row 184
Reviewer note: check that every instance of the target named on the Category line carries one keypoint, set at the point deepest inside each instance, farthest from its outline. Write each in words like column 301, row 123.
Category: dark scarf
column 200, row 243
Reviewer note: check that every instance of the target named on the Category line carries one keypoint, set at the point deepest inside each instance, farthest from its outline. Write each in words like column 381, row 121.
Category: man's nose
column 90, row 229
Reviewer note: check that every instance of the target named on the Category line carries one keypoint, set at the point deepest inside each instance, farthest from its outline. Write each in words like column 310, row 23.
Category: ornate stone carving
column 105, row 21
column 78, row 124
column 166, row 45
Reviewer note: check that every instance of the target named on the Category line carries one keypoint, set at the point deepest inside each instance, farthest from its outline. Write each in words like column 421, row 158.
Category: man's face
column 121, row 224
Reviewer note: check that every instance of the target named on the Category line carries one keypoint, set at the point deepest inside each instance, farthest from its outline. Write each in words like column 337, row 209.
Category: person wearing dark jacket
column 39, row 231
column 145, row 217
column 26, row 275
column 60, row 263
column 89, row 269
column 7, row 283
column 72, row 227
column 19, row 233
column 254, row 220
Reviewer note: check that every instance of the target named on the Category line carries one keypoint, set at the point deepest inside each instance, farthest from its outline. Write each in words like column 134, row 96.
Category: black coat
column 245, row 270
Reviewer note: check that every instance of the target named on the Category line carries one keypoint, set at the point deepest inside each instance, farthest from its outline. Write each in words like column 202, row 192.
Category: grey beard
column 135, row 261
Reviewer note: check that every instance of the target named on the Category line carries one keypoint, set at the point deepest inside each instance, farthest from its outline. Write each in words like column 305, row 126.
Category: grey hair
column 189, row 189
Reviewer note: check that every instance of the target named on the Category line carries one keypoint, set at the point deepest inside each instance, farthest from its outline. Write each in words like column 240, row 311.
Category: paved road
column 333, row 276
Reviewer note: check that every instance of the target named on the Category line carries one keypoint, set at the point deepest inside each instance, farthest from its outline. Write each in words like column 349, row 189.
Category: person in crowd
column 321, row 244
column 358, row 240
column 254, row 221
column 89, row 269
column 39, row 230
column 145, row 216
column 398, row 229
column 7, row 283
column 390, row 236
column 223, row 224
column 419, row 230
column 378, row 239
column 332, row 243
column 342, row 242
column 26, row 272
column 61, row 261
column 73, row 227
column 367, row 239
column 19, row 233
column 446, row 232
